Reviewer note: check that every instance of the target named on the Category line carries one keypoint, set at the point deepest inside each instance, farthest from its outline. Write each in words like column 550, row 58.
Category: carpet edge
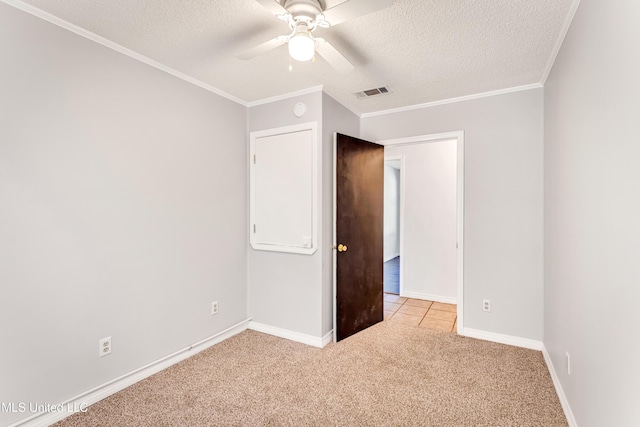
column 111, row 387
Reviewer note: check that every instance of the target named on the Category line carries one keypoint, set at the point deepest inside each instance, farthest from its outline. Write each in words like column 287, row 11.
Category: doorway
column 353, row 261
column 431, row 169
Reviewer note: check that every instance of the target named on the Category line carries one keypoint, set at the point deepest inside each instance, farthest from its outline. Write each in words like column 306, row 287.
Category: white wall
column 429, row 254
column 285, row 289
column 592, row 207
column 289, row 291
column 336, row 118
column 391, row 212
column 123, row 194
column 503, row 202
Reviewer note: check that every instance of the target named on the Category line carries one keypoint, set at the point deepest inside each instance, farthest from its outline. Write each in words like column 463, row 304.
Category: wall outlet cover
column 104, row 347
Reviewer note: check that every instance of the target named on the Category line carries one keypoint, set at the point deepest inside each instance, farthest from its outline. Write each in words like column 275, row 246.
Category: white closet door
column 283, row 190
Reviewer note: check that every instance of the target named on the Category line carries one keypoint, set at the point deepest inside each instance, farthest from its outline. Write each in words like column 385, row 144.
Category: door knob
column 342, row 248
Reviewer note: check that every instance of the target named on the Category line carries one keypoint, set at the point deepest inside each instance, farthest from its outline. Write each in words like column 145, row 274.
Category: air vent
column 372, row 92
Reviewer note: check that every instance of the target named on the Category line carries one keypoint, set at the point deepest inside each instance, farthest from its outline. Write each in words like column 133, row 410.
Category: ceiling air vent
column 372, row 92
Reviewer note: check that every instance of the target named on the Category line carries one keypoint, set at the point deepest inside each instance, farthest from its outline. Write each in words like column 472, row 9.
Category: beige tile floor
column 427, row 314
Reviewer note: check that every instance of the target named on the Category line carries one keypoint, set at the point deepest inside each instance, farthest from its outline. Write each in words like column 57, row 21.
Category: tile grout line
column 453, row 325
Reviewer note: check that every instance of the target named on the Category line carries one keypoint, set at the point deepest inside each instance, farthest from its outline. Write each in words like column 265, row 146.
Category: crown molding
column 18, row 4
column 307, row 91
column 563, row 33
column 453, row 100
column 118, row 48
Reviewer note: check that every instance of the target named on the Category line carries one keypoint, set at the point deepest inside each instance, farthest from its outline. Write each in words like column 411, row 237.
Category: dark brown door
column 359, row 233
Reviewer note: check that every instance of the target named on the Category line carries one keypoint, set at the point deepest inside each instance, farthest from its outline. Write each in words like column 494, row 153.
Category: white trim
column 401, row 158
column 452, row 100
column 563, row 33
column 316, row 159
column 429, row 297
column 501, row 338
column 327, row 338
column 556, row 383
column 18, row 4
column 291, row 335
column 460, row 231
column 111, row 387
column 282, row 97
column 403, row 192
column 434, row 137
column 118, row 48
column 459, row 137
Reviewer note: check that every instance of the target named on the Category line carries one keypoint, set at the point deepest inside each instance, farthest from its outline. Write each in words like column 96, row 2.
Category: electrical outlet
column 105, row 346
column 486, row 305
column 568, row 362
column 214, row 307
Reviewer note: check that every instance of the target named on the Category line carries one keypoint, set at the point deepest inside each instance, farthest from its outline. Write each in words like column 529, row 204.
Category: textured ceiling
column 423, row 50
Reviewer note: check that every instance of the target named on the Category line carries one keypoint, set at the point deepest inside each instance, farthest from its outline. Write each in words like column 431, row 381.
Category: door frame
column 421, row 139
column 400, row 157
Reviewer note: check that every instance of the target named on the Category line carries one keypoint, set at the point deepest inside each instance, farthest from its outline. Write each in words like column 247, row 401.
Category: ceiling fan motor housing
column 304, row 17
column 303, row 10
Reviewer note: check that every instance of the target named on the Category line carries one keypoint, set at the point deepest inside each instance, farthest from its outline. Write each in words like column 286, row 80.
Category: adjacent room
column 307, row 212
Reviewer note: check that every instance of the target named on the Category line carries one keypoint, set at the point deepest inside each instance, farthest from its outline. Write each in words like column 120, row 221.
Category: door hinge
column 254, row 159
column 254, row 229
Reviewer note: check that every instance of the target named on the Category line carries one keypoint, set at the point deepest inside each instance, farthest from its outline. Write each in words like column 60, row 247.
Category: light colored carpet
column 388, row 375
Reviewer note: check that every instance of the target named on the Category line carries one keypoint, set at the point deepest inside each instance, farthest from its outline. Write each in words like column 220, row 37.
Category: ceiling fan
column 303, row 17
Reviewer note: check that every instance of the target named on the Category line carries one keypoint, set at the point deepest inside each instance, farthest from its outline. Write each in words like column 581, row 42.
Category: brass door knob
column 342, row 248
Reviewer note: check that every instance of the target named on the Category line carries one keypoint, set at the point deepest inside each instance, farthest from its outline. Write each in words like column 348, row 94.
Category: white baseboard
column 319, row 342
column 559, row 391
column 429, row 297
column 502, row 339
column 533, row 345
column 107, row 389
column 327, row 338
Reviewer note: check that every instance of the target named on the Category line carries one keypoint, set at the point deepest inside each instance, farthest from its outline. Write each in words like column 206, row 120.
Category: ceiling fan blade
column 353, row 9
column 333, row 57
column 273, row 6
column 262, row 48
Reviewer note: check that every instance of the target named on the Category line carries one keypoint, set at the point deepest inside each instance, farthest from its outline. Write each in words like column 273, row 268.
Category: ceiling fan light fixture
column 302, row 47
